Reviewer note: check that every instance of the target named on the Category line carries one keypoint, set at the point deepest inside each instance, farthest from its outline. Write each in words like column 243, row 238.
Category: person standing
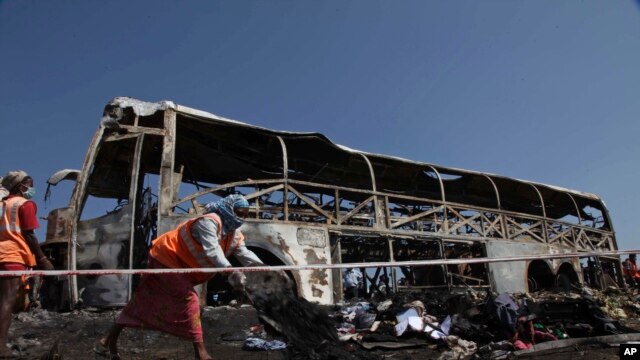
column 630, row 270
column 352, row 282
column 383, row 285
column 168, row 302
column 19, row 247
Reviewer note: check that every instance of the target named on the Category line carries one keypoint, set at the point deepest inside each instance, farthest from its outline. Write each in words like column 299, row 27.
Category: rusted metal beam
column 465, row 221
column 495, row 189
column 336, row 203
column 285, row 178
column 133, row 193
column 117, row 137
column 225, row 186
column 519, row 229
column 355, row 210
column 379, row 215
column 577, row 209
column 166, row 164
column 417, row 216
column 544, row 214
column 143, row 129
column 254, row 195
column 310, row 202
column 506, row 217
column 77, row 203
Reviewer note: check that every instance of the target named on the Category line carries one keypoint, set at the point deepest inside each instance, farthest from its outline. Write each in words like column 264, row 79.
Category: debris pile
column 458, row 326
column 307, row 327
column 407, row 325
column 492, row 326
column 483, row 326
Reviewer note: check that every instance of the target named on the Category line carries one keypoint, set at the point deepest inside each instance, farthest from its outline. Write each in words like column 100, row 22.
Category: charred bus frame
column 313, row 202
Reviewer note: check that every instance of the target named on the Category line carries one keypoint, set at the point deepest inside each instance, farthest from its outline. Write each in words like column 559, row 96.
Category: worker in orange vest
column 168, row 302
column 631, row 271
column 19, row 247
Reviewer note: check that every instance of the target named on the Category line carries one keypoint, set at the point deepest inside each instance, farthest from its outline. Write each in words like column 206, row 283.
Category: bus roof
column 512, row 190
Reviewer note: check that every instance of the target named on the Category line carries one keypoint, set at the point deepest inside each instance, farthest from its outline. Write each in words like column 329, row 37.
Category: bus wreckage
column 313, row 202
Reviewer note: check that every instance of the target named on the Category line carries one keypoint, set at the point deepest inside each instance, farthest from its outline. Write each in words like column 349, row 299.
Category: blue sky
column 538, row 90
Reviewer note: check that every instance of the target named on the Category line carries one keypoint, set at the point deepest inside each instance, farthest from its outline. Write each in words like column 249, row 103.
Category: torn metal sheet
column 141, row 108
column 66, row 174
column 103, row 243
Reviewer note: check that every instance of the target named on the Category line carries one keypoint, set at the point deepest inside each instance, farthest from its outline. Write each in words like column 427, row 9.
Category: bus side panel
column 168, row 223
column 297, row 245
column 511, row 276
column 103, row 243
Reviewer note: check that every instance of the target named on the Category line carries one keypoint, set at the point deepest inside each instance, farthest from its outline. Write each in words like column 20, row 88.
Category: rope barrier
column 95, row 272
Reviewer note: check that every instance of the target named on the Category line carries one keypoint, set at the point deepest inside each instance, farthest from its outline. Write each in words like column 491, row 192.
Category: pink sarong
column 166, row 303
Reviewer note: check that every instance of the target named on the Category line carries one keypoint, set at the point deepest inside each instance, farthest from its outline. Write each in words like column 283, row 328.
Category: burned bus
column 154, row 165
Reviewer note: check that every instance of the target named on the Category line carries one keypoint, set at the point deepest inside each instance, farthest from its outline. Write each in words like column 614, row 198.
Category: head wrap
column 13, row 178
column 225, row 209
column 3, row 192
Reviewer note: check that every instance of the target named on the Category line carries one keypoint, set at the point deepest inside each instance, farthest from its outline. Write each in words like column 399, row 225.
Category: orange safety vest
column 13, row 245
column 633, row 269
column 179, row 249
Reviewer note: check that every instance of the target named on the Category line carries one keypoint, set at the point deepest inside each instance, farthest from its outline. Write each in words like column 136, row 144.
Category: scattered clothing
column 384, row 306
column 521, row 345
column 352, row 313
column 505, row 309
column 418, row 306
column 257, row 344
column 364, row 321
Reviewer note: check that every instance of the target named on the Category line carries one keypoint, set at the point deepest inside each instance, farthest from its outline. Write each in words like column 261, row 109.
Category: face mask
column 30, row 193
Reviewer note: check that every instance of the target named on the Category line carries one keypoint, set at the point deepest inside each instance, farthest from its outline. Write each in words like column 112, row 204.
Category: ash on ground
column 403, row 326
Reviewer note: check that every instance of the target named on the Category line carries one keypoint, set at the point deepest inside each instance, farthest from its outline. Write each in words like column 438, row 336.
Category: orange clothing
column 13, row 245
column 631, row 269
column 179, row 249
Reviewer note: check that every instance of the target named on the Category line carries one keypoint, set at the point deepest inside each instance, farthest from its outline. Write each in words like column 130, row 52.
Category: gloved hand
column 237, row 280
column 45, row 264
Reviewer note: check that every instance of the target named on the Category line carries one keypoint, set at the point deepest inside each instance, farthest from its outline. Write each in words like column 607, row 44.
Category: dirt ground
column 33, row 334
column 309, row 329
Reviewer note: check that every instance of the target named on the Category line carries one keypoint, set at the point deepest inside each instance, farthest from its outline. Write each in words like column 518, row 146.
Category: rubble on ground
column 307, row 327
column 485, row 326
column 409, row 325
column 464, row 325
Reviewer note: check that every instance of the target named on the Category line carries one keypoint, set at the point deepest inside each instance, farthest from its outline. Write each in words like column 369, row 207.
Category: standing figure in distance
column 630, row 270
column 352, row 282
